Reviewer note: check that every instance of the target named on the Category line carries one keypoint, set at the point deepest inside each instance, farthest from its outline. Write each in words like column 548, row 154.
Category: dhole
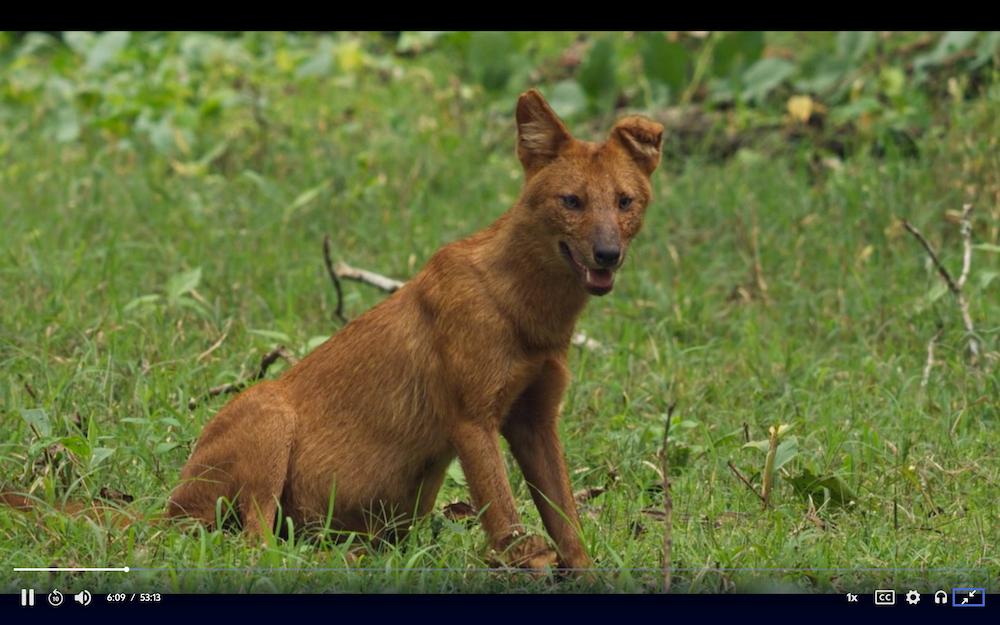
column 361, row 431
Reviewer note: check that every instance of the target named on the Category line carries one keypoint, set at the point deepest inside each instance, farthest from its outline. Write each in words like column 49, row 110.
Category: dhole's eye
column 624, row 202
column 571, row 201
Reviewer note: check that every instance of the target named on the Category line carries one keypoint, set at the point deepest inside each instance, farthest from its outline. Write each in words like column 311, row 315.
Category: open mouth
column 595, row 281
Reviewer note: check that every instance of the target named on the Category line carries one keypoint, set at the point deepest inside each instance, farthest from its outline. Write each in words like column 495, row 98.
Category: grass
column 120, row 271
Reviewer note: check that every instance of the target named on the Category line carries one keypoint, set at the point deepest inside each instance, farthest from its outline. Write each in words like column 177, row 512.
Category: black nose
column 607, row 256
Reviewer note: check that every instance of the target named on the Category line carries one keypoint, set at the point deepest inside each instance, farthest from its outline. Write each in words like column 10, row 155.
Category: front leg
column 482, row 462
column 531, row 430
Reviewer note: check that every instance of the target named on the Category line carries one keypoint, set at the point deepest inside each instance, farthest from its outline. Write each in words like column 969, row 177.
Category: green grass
column 102, row 347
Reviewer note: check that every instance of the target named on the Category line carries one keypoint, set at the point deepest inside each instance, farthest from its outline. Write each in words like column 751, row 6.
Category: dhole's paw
column 530, row 552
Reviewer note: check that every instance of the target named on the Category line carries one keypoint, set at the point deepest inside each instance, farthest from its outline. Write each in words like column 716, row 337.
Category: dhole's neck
column 529, row 282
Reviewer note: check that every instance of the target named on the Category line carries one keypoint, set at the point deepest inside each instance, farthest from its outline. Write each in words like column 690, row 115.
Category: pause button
column 27, row 596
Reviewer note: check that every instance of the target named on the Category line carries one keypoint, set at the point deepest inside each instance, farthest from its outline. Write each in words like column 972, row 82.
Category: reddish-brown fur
column 472, row 348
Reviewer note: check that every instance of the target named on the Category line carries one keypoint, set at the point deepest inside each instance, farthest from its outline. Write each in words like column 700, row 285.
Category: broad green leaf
column 163, row 448
column 665, row 62
column 763, row 445
column 456, row 474
column 987, row 247
column 37, row 418
column 736, row 50
column 320, row 63
column 787, row 450
column 852, row 45
column 567, row 99
column 489, row 58
column 764, row 76
column 850, row 112
column 79, row 41
column 183, row 283
column 954, row 41
column 161, row 135
column 77, row 445
column 106, row 47
column 315, row 342
column 415, row 42
column 987, row 49
column 597, row 71
column 99, row 455
column 67, row 124
column 830, row 486
column 950, row 43
column 986, row 277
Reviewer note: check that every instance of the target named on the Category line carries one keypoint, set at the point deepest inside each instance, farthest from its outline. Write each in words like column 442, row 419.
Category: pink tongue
column 601, row 278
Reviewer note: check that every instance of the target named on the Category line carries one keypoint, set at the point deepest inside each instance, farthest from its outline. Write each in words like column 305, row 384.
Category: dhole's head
column 586, row 200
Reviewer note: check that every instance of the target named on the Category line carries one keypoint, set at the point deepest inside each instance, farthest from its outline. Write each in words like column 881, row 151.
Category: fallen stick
column 953, row 286
column 746, row 482
column 265, row 363
column 339, row 312
column 346, row 272
column 930, row 358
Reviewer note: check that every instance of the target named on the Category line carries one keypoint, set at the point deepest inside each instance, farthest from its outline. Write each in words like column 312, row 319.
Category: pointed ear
column 642, row 138
column 541, row 135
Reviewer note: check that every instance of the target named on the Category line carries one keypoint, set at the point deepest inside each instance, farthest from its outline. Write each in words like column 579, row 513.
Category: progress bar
column 73, row 569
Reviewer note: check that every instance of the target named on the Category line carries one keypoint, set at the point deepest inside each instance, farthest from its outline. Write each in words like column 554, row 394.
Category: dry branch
column 953, row 286
column 746, row 482
column 346, row 272
column 265, row 363
column 339, row 312
column 930, row 358
column 225, row 332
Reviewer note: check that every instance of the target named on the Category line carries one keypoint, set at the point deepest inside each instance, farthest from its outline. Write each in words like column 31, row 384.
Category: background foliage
column 163, row 199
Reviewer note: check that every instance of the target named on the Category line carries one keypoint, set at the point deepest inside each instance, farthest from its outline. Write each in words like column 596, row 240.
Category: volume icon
column 83, row 598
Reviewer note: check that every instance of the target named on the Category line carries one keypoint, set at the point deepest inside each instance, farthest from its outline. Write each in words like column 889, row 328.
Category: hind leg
column 242, row 455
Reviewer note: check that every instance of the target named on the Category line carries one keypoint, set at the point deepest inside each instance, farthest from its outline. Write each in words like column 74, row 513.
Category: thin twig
column 265, row 363
column 389, row 285
column 953, row 286
column 930, row 358
column 225, row 332
column 27, row 388
column 934, row 257
column 272, row 356
column 339, row 312
column 668, row 500
column 743, row 479
column 966, row 244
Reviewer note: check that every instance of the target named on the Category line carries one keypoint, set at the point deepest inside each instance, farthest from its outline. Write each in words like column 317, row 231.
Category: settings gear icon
column 913, row 597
